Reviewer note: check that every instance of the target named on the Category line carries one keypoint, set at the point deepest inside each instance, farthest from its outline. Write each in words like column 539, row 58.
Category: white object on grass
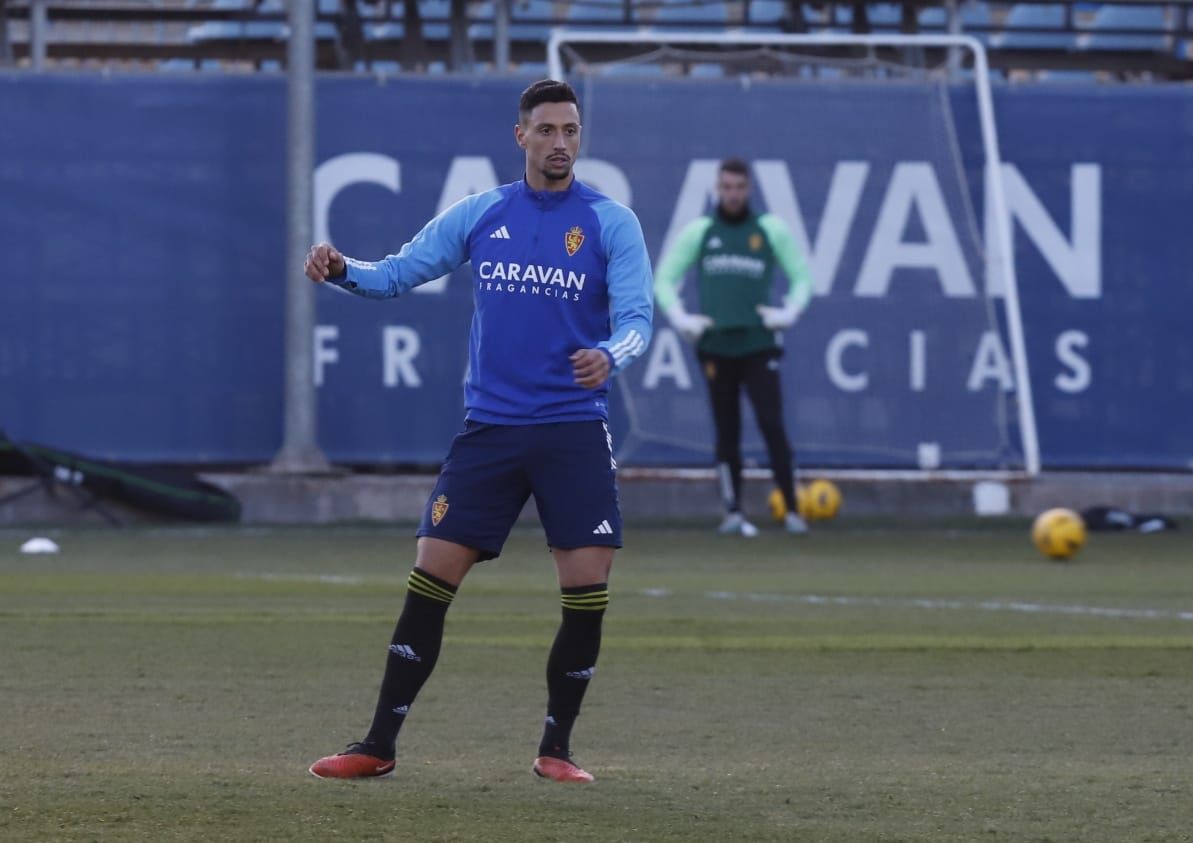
column 991, row 498
column 39, row 544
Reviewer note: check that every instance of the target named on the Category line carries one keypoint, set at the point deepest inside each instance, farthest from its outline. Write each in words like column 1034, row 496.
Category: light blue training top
column 552, row 272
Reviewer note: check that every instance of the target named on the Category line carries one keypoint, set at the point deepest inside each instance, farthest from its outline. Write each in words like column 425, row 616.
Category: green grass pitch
column 872, row 682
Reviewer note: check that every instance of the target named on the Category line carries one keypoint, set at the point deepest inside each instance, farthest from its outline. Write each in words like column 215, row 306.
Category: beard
column 556, row 171
column 737, row 215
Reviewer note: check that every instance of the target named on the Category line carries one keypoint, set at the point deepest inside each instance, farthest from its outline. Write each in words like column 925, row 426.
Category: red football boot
column 353, row 763
column 559, row 770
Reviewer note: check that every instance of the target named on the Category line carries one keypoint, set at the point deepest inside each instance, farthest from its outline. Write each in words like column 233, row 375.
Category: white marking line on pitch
column 929, row 603
column 330, row 579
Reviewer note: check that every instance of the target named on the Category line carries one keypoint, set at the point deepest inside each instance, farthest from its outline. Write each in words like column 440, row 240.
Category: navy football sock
column 572, row 662
column 413, row 652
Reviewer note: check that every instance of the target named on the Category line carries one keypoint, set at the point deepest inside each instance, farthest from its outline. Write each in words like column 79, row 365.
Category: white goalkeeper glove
column 690, row 325
column 779, row 318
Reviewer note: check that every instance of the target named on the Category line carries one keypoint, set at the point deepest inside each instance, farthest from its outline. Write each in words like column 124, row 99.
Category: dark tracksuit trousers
column 758, row 374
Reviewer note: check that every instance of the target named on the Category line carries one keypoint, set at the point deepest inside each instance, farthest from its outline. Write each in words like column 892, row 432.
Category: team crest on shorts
column 438, row 509
column 573, row 240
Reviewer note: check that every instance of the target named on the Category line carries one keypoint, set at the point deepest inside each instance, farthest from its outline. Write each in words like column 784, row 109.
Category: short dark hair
column 736, row 166
column 545, row 90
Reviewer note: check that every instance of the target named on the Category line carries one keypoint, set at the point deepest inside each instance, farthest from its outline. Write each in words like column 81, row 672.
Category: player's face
column 733, row 192
column 550, row 134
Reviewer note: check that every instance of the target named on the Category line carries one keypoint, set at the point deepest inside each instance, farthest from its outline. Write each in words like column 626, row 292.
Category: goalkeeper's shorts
column 491, row 471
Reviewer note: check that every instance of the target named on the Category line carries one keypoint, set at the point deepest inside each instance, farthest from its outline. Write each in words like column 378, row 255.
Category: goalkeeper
column 738, row 333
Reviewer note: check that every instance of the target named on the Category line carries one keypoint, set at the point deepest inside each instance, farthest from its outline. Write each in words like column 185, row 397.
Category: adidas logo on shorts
column 603, row 529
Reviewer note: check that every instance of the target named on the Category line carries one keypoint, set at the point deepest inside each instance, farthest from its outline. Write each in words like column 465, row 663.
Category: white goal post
column 1001, row 261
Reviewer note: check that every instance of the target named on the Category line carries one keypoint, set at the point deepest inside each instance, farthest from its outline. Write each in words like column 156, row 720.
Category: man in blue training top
column 562, row 290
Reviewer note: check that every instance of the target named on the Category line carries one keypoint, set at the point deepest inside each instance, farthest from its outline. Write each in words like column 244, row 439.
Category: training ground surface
column 873, row 681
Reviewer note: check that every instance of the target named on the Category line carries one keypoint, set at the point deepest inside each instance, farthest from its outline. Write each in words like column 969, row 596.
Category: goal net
column 880, row 154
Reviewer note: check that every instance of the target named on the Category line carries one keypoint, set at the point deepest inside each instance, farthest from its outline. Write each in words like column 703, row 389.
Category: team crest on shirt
column 573, row 240
column 755, row 242
column 438, row 509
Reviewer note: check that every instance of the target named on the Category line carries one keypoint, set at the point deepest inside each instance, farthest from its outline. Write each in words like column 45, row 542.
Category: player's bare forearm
column 590, row 366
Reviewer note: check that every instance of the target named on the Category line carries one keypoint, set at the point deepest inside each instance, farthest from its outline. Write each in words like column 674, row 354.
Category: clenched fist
column 590, row 367
column 324, row 261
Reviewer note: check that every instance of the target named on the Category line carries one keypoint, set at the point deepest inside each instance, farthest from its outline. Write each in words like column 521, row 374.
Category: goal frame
column 1002, row 260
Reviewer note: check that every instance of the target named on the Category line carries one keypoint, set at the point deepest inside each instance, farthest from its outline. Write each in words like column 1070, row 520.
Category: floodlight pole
column 501, row 36
column 993, row 173
column 954, row 24
column 38, row 28
column 300, row 453
column 5, row 44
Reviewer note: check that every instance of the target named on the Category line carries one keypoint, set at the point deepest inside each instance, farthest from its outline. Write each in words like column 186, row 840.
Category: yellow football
column 776, row 504
column 1058, row 533
column 822, row 501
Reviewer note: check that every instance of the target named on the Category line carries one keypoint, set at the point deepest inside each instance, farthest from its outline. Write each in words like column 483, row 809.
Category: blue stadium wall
column 142, row 226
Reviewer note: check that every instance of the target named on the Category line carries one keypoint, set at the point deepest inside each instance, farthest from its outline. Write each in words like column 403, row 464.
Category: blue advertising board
column 143, row 223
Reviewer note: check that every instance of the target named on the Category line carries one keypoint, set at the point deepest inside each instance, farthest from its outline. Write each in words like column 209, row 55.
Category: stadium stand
column 692, row 14
column 973, row 19
column 1114, row 28
column 770, row 13
column 596, row 13
column 1037, row 27
column 877, row 17
column 1070, row 41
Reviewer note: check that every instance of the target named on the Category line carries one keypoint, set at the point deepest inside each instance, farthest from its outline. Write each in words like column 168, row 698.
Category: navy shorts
column 492, row 469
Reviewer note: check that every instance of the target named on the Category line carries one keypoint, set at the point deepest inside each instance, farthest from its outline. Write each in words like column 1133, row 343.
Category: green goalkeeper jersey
column 735, row 266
